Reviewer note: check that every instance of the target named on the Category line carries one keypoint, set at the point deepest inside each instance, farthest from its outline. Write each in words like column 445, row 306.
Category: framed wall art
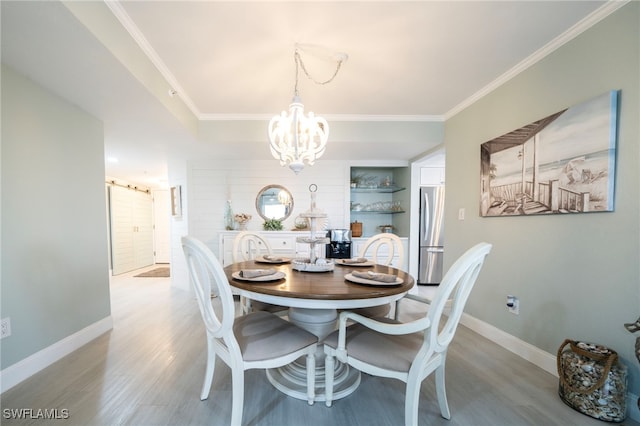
column 563, row 163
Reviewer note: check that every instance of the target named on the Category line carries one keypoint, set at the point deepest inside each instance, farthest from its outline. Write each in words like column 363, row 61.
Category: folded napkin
column 375, row 276
column 355, row 261
column 254, row 273
column 272, row 258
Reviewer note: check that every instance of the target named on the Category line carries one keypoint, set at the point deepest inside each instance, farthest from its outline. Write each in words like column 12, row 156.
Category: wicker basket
column 592, row 380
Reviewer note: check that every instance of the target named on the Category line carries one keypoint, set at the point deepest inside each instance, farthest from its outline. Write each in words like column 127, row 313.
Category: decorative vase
column 229, row 223
column 242, row 226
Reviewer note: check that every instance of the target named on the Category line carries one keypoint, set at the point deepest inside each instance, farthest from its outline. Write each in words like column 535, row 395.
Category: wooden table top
column 330, row 285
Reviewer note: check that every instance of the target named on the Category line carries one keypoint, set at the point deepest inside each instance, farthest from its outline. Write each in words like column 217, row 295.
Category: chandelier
column 284, row 198
column 296, row 139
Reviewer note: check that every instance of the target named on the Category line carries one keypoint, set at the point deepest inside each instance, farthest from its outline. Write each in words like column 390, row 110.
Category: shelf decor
column 563, row 163
column 272, row 225
column 377, row 197
column 228, row 217
column 241, row 219
column 385, row 207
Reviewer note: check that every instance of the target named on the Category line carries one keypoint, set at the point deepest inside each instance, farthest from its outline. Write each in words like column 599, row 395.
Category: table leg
column 292, row 378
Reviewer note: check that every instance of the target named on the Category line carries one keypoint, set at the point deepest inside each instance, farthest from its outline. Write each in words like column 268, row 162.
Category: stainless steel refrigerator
column 431, row 235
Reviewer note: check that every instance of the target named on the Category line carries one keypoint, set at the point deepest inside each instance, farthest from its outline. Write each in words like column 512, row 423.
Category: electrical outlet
column 5, row 327
column 513, row 304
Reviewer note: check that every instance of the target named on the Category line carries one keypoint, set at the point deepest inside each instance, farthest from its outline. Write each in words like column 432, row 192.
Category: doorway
column 139, row 227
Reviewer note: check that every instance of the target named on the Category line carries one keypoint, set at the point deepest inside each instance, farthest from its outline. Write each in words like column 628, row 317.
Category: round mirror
column 274, row 202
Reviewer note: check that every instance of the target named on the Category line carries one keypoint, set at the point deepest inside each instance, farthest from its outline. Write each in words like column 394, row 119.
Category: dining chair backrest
column 248, row 245
column 408, row 351
column 205, row 271
column 384, row 243
column 453, row 291
column 256, row 340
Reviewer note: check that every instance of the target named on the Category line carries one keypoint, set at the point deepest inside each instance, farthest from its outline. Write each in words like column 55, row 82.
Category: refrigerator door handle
column 426, row 217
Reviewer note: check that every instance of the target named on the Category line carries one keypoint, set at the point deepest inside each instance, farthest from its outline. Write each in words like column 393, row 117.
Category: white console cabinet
column 283, row 243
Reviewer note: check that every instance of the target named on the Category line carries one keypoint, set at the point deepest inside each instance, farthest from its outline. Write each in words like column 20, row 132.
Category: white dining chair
column 381, row 248
column 408, row 351
column 256, row 340
column 248, row 245
column 378, row 244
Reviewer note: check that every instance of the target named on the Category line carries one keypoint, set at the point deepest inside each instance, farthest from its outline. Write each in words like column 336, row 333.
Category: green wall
column 577, row 276
column 55, row 278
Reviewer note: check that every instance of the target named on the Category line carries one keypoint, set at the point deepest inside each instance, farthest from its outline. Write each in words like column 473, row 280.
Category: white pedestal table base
column 292, row 378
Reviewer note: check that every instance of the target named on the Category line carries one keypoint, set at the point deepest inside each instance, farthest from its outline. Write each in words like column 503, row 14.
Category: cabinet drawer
column 281, row 244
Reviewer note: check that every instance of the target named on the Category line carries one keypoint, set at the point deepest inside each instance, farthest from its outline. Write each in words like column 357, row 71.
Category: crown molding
column 126, row 21
column 176, row 90
column 586, row 23
column 331, row 117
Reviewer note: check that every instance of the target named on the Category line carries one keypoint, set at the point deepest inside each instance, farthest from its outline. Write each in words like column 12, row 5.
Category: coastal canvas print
column 563, row 163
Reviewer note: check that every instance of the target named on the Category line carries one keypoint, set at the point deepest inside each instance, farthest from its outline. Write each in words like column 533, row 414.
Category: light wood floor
column 148, row 371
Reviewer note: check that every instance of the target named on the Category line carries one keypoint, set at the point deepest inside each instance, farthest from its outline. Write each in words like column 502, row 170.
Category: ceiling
column 173, row 79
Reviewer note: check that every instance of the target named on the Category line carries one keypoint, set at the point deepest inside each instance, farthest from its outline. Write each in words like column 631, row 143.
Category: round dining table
column 314, row 299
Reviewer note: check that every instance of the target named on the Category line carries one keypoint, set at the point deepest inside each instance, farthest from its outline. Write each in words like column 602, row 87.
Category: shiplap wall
column 207, row 184
column 212, row 183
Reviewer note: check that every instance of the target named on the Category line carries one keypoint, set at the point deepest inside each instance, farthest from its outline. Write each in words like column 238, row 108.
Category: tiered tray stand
column 313, row 263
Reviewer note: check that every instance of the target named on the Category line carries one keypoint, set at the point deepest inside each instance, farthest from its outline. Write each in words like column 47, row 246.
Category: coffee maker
column 339, row 246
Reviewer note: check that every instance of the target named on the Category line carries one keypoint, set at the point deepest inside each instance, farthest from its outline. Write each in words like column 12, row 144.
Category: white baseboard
column 542, row 359
column 22, row 370
column 537, row 356
column 16, row 373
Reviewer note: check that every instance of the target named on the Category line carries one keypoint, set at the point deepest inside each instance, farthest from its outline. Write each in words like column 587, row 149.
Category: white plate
column 261, row 259
column 350, row 277
column 273, row 277
column 343, row 263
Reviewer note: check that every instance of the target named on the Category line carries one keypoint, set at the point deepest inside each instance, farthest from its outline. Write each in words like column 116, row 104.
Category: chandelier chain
column 299, row 62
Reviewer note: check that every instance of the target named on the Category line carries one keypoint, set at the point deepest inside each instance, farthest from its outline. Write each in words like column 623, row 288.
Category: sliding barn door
column 130, row 213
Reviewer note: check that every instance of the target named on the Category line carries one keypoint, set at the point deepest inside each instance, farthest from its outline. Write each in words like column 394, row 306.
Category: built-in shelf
column 379, row 189
column 377, row 211
column 378, row 195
